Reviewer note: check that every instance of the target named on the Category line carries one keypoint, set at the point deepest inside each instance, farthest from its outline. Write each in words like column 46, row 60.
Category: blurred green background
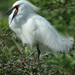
column 61, row 14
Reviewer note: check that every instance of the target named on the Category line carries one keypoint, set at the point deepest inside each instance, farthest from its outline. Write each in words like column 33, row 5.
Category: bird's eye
column 15, row 6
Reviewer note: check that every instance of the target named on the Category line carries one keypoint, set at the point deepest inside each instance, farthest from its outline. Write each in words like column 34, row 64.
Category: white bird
column 35, row 30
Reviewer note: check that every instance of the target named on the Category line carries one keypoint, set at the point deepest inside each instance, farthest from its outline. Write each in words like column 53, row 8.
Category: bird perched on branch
column 35, row 30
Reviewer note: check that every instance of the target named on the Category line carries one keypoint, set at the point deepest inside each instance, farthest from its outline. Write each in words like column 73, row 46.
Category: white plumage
column 34, row 29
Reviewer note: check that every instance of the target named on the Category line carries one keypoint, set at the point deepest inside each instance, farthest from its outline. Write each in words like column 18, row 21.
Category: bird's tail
column 70, row 42
column 64, row 45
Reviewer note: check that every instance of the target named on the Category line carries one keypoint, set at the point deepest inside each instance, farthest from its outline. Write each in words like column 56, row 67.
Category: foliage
column 61, row 14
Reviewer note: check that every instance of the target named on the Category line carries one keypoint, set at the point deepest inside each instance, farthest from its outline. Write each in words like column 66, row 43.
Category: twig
column 31, row 54
column 16, row 44
column 22, row 57
column 5, row 34
column 1, row 55
column 4, row 27
column 21, row 51
column 7, row 48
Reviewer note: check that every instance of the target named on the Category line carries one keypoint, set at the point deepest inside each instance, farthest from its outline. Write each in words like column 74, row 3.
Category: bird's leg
column 38, row 54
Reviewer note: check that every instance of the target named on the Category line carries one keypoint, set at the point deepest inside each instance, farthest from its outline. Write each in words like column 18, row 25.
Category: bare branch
column 6, row 34
column 4, row 27
column 16, row 44
column 7, row 48
column 31, row 54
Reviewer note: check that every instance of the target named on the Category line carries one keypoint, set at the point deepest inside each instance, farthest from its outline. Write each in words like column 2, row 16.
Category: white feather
column 33, row 29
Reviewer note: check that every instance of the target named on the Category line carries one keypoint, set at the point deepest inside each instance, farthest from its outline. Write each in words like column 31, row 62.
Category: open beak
column 7, row 12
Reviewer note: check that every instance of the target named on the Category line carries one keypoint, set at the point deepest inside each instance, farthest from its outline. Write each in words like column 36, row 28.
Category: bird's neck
column 22, row 16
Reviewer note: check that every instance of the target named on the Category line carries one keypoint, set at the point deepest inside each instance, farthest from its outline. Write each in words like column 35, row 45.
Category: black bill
column 7, row 11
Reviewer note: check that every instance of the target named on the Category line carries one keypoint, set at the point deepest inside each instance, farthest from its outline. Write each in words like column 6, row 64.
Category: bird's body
column 34, row 29
column 37, row 30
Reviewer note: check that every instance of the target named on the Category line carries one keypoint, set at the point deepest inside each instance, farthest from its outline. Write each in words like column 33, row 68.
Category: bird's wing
column 45, row 33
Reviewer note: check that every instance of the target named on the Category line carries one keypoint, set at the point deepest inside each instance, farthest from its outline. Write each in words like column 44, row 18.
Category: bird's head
column 15, row 6
column 22, row 6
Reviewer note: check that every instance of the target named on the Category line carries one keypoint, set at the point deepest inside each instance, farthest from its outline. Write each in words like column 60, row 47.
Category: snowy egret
column 35, row 30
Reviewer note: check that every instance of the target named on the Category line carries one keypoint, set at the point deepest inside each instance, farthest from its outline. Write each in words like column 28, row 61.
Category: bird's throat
column 15, row 13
